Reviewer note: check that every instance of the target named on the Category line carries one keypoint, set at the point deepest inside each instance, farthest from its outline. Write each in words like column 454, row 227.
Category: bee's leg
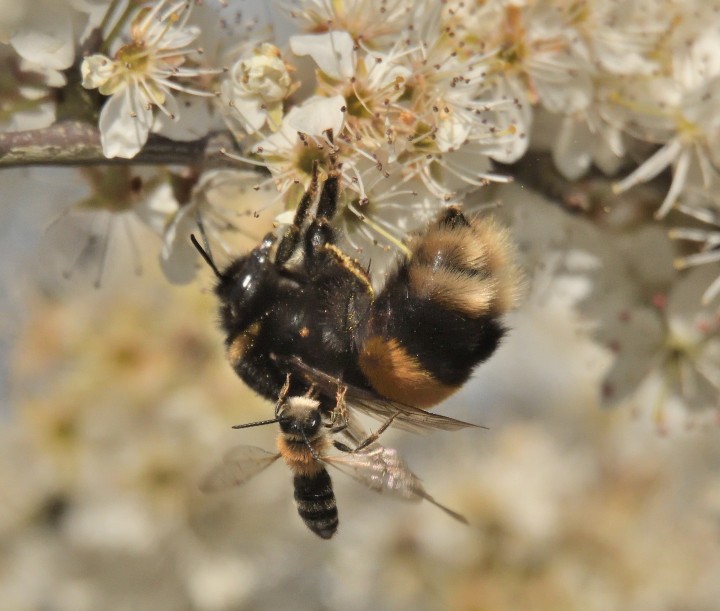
column 327, row 205
column 323, row 258
column 281, row 396
column 337, row 428
column 373, row 437
column 291, row 237
column 342, row 447
column 369, row 440
column 339, row 419
column 320, row 233
column 338, row 422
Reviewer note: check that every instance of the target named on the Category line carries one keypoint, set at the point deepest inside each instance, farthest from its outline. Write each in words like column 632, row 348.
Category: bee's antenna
column 205, row 254
column 312, row 450
column 259, row 423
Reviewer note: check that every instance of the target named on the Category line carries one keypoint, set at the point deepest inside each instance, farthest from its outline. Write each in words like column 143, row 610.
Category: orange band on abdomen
column 399, row 376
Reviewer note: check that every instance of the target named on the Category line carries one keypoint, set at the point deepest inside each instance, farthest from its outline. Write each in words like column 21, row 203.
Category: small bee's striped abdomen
column 316, row 503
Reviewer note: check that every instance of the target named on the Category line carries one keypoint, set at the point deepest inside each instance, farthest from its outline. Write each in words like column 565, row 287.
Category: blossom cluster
column 419, row 105
column 592, row 127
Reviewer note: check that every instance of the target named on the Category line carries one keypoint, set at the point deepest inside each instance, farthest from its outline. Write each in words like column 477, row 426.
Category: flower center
column 134, row 58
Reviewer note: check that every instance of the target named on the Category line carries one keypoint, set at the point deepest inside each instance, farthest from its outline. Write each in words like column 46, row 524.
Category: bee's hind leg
column 369, row 440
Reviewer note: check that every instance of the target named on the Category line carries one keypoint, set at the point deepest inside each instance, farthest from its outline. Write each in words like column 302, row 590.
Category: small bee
column 299, row 305
column 304, row 442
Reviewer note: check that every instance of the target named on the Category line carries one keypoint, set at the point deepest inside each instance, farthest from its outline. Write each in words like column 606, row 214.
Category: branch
column 590, row 195
column 74, row 143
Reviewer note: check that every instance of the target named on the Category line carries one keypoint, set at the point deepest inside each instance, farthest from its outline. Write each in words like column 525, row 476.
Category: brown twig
column 74, row 143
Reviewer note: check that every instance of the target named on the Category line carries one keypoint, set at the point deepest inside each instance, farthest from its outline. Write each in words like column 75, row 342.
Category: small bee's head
column 300, row 416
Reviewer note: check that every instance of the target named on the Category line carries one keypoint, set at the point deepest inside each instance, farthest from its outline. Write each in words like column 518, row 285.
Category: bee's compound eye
column 286, row 425
column 313, row 422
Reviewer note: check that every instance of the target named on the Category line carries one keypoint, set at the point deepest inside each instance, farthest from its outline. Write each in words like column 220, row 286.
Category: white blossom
column 42, row 31
column 289, row 153
column 380, row 210
column 687, row 128
column 123, row 202
column 668, row 353
column 377, row 22
column 218, row 200
column 142, row 75
column 708, row 239
column 584, row 140
column 333, row 52
column 256, row 88
column 676, row 109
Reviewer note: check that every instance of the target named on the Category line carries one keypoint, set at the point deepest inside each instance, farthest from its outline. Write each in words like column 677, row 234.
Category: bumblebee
column 304, row 443
column 298, row 304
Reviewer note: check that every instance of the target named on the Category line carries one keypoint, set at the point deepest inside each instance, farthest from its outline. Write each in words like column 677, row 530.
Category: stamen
column 705, row 215
column 712, row 291
column 89, row 246
column 697, row 259
column 243, row 159
column 464, row 177
column 392, row 239
column 185, row 89
column 151, row 15
column 651, row 167
column 134, row 249
column 694, row 235
column 103, row 252
column 151, row 95
column 678, row 182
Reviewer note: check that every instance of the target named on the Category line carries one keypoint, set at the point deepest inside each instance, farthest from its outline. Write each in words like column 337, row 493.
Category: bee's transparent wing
column 239, row 464
column 407, row 417
column 382, row 470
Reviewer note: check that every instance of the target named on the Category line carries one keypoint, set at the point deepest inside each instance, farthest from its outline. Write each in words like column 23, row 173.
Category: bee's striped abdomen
column 464, row 265
column 316, row 503
column 440, row 313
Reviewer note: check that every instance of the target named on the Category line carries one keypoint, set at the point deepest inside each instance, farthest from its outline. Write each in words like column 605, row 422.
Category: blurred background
column 116, row 400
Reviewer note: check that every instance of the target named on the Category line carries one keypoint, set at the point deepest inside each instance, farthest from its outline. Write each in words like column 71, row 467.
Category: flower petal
column 125, row 123
column 332, row 52
column 245, row 109
column 47, row 35
column 192, row 120
column 178, row 257
column 156, row 209
column 317, row 115
column 96, row 70
column 651, row 167
column 571, row 152
column 451, row 133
